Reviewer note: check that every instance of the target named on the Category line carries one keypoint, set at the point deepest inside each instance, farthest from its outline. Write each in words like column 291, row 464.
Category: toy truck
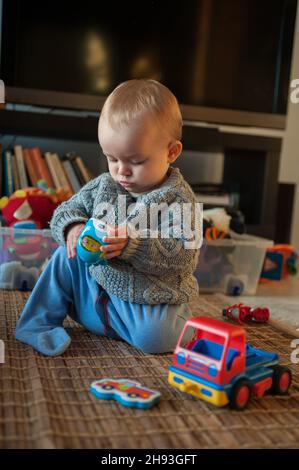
column 212, row 361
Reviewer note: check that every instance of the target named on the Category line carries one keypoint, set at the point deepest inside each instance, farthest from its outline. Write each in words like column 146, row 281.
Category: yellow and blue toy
column 90, row 242
column 126, row 392
column 219, row 367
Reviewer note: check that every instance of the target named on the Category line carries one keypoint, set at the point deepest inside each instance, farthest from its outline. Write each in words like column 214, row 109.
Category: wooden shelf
column 85, row 128
column 48, row 125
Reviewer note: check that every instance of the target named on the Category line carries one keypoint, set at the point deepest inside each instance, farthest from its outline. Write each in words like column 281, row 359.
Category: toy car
column 243, row 313
column 127, row 392
column 219, row 367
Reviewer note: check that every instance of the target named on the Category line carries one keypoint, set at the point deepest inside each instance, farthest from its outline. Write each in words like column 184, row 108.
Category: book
column 76, row 185
column 21, row 166
column 15, row 173
column 30, row 167
column 61, row 175
column 220, row 200
column 41, row 166
column 214, row 194
column 7, row 174
column 52, row 169
column 71, row 156
column 84, row 172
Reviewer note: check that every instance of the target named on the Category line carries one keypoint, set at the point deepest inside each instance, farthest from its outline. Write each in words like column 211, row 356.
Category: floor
column 45, row 402
column 282, row 297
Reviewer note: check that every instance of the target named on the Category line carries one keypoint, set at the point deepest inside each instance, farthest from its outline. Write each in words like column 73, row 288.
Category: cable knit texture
column 149, row 270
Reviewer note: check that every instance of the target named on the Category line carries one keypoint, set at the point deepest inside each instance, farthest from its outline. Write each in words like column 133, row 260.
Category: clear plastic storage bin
column 231, row 266
column 23, row 255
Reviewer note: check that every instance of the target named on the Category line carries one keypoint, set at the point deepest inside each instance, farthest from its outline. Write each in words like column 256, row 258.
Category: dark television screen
column 232, row 54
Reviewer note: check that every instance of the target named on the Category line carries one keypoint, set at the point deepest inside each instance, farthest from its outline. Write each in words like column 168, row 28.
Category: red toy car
column 243, row 313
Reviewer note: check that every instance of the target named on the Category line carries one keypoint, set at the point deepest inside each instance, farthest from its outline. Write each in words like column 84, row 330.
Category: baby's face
column 139, row 154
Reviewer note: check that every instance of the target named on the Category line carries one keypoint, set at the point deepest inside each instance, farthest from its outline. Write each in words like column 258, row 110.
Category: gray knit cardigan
column 149, row 270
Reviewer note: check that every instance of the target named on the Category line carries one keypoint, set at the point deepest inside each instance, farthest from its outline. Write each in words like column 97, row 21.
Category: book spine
column 43, row 171
column 30, row 167
column 21, row 167
column 71, row 175
column 52, row 169
column 77, row 171
column 64, row 182
column 8, row 176
column 15, row 172
column 83, row 169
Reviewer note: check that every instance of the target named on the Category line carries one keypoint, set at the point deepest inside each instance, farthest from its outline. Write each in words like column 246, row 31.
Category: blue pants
column 66, row 287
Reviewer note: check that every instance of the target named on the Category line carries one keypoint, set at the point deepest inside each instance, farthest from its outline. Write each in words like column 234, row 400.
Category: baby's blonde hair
column 133, row 97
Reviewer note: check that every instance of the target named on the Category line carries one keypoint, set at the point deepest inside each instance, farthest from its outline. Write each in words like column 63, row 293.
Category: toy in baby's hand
column 90, row 242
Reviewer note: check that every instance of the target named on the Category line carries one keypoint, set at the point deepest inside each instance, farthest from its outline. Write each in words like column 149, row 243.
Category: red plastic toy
column 243, row 313
column 32, row 205
column 218, row 366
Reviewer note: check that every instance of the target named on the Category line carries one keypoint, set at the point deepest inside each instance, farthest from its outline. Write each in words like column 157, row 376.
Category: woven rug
column 45, row 403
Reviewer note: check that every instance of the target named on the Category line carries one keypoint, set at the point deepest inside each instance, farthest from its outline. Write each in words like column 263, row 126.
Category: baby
column 141, row 295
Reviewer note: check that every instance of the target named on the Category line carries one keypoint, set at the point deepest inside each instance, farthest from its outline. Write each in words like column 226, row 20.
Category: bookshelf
column 251, row 160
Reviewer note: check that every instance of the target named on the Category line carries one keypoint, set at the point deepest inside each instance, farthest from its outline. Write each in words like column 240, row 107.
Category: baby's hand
column 117, row 239
column 72, row 235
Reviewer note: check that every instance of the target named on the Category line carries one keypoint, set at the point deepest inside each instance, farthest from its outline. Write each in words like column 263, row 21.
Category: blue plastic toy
column 90, row 242
column 126, row 392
